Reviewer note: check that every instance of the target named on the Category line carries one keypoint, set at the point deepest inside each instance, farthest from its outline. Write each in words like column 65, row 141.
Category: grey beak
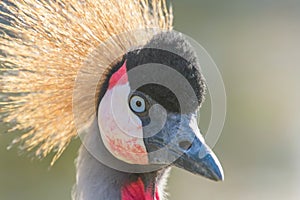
column 199, row 159
column 184, row 147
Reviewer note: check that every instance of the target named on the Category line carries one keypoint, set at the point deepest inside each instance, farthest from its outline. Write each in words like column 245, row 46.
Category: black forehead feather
column 185, row 62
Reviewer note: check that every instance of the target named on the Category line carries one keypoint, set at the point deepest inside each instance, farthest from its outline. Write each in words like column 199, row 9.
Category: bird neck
column 98, row 181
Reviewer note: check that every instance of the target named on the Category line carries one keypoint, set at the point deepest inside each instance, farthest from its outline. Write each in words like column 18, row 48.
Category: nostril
column 186, row 145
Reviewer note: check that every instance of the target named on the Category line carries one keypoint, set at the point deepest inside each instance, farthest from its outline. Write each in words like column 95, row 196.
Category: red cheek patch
column 120, row 77
column 128, row 149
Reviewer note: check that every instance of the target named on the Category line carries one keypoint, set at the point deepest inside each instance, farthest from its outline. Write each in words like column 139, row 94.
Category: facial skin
column 124, row 116
column 121, row 130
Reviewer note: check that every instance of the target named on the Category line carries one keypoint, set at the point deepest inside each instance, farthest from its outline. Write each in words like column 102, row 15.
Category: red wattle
column 136, row 191
column 156, row 195
column 120, row 77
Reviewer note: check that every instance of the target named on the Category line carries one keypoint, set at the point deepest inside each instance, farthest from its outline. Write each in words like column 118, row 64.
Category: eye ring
column 137, row 104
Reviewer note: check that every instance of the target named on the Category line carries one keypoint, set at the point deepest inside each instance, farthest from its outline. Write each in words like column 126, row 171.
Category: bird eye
column 137, row 104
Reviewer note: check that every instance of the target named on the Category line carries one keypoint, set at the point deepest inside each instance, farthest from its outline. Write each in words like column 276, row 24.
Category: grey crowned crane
column 67, row 69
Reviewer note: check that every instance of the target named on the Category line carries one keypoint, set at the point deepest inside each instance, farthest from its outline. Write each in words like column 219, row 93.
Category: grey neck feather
column 96, row 181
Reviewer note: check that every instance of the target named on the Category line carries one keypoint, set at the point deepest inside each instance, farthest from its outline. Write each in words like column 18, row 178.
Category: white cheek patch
column 121, row 130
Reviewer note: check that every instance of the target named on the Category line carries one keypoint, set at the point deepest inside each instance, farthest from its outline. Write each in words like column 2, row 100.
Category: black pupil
column 138, row 103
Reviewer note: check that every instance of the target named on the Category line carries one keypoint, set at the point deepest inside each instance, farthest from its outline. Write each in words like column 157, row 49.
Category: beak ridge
column 215, row 170
column 181, row 143
column 200, row 159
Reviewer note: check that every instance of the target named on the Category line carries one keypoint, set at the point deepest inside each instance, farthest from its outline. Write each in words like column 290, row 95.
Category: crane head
column 148, row 104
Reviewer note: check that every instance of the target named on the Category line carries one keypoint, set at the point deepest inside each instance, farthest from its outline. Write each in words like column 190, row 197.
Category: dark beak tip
column 213, row 167
column 217, row 177
column 214, row 176
column 221, row 176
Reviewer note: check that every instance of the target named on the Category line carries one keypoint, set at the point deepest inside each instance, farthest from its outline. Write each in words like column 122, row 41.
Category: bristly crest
column 43, row 45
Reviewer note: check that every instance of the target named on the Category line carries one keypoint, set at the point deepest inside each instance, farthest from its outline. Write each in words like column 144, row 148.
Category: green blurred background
column 256, row 45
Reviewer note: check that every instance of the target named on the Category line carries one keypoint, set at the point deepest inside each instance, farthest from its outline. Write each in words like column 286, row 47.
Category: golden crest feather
column 42, row 48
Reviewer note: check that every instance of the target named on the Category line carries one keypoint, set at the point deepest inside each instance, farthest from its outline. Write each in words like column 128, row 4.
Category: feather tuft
column 43, row 45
